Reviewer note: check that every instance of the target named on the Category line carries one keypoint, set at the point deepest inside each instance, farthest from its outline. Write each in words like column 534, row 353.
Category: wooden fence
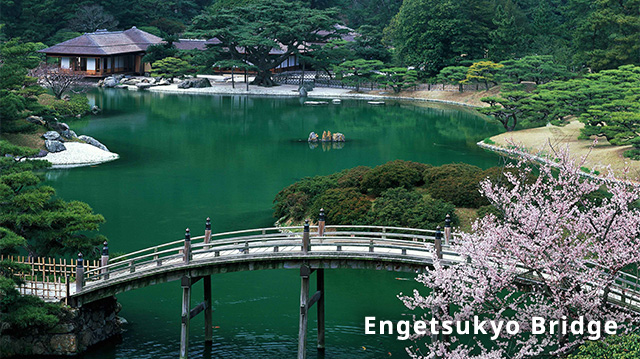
column 322, row 79
column 49, row 278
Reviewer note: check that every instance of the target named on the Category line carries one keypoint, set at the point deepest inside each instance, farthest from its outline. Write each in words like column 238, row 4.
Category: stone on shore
column 93, row 142
column 338, row 137
column 197, row 82
column 110, row 82
column 313, row 137
column 68, row 134
column 52, row 136
column 59, row 126
column 54, row 146
column 36, row 120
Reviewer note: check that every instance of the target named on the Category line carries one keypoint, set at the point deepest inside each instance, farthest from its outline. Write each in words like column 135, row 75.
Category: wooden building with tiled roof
column 103, row 53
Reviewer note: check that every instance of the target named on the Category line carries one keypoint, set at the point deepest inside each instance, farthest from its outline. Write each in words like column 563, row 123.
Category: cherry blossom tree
column 557, row 252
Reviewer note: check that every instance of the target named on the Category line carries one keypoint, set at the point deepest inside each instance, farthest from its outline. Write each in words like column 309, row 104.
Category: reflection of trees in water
column 263, row 118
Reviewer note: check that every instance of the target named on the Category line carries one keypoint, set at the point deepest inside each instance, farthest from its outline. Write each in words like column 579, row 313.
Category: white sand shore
column 79, row 154
column 218, row 88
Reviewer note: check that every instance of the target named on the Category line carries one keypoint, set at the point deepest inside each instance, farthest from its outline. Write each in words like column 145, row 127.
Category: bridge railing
column 364, row 238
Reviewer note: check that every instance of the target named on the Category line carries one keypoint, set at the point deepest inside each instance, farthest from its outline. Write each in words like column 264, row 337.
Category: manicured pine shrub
column 342, row 206
column 393, row 174
column 403, row 208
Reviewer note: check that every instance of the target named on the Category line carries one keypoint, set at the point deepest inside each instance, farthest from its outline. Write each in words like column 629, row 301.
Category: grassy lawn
column 32, row 140
column 598, row 158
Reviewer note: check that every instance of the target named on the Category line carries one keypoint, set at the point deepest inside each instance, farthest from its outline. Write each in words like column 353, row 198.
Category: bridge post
column 187, row 246
column 321, row 223
column 104, row 261
column 320, row 286
column 208, row 322
column 79, row 273
column 306, row 242
column 186, row 317
column 438, row 243
column 305, row 271
column 207, row 232
column 447, row 229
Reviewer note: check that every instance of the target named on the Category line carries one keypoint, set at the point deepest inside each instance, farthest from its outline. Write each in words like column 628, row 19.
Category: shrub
column 294, row 200
column 403, row 208
column 393, row 174
column 76, row 105
column 353, row 177
column 488, row 141
column 456, row 183
column 615, row 346
column 342, row 206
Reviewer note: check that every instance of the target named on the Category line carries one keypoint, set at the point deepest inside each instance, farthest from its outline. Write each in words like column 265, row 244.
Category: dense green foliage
column 434, row 34
column 398, row 78
column 403, row 208
column 397, row 193
column 292, row 26
column 170, row 67
column 34, row 221
column 613, row 347
column 392, row 174
column 357, row 72
column 456, row 183
column 49, row 225
column 18, row 91
column 605, row 101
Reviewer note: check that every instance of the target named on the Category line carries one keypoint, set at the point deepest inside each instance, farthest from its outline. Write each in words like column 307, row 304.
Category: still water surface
column 184, row 158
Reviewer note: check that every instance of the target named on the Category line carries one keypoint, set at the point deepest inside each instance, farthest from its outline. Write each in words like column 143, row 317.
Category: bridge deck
column 386, row 248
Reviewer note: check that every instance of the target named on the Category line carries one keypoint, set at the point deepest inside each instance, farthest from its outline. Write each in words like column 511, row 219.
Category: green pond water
column 184, row 158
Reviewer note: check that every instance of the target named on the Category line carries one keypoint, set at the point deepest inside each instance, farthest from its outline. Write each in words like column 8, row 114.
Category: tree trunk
column 460, row 87
column 233, row 79
column 263, row 78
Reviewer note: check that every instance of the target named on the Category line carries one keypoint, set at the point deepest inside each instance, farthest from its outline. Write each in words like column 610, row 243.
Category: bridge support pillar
column 304, row 311
column 186, row 317
column 320, row 286
column 208, row 320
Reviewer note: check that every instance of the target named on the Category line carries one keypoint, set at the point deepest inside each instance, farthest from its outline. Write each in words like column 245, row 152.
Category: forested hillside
column 427, row 34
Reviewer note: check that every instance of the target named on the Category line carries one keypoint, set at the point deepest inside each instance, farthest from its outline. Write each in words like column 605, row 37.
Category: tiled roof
column 104, row 42
column 191, row 44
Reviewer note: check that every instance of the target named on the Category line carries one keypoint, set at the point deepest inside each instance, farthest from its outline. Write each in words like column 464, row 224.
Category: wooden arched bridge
column 307, row 248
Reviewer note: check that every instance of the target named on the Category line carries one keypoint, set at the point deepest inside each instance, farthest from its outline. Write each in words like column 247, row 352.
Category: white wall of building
column 91, row 64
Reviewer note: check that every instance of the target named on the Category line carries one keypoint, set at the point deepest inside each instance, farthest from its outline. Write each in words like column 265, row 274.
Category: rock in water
column 313, row 137
column 95, row 110
column 338, row 137
column 54, row 146
column 93, row 142
column 197, row 82
column 302, row 91
column 52, row 136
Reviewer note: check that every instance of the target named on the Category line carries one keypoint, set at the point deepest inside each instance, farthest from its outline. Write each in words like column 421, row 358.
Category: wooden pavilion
column 103, row 53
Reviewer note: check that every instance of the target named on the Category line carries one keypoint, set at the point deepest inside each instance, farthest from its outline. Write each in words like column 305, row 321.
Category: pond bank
column 542, row 139
column 453, row 98
column 78, row 154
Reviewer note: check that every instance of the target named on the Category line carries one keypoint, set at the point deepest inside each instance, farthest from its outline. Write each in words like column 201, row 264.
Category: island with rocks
column 64, row 148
